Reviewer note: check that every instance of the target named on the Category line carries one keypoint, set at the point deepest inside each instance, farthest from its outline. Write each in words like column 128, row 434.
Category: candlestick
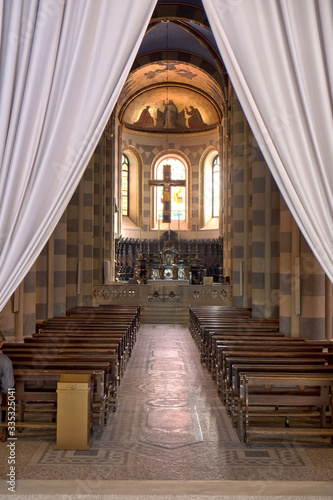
column 158, row 238
column 140, row 226
column 178, row 235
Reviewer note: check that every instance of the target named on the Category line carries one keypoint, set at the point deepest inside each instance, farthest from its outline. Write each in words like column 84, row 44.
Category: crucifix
column 167, row 183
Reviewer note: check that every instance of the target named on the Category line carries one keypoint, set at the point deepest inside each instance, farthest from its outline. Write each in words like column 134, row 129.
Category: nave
column 170, row 425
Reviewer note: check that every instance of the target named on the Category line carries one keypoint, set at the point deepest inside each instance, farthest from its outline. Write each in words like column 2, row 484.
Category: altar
column 165, row 281
column 168, row 265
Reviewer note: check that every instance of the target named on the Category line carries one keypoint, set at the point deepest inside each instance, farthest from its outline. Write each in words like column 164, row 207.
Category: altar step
column 165, row 313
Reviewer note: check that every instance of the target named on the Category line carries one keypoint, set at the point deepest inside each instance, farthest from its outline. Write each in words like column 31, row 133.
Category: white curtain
column 63, row 64
column 279, row 56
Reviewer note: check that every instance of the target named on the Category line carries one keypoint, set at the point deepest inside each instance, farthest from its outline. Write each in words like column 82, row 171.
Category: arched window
column 210, row 187
column 124, row 184
column 216, row 186
column 177, row 193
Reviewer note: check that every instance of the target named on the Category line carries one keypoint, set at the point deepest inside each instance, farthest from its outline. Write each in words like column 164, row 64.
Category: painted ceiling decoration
column 163, row 72
column 178, row 81
column 172, row 109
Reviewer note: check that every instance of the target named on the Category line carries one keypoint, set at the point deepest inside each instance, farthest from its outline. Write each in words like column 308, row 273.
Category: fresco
column 172, row 72
column 172, row 109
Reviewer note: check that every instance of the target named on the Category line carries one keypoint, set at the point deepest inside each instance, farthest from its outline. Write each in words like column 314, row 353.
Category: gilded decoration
column 162, row 72
column 170, row 109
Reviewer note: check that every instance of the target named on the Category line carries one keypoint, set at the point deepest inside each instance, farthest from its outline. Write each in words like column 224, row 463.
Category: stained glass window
column 178, row 193
column 124, row 184
column 216, row 186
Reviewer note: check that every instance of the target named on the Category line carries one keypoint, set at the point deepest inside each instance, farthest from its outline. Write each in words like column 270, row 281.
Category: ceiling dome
column 178, row 60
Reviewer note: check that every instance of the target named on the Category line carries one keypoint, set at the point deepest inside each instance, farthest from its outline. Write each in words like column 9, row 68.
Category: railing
column 169, row 291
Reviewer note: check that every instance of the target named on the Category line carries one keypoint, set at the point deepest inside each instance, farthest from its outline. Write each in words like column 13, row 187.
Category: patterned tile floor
column 170, row 425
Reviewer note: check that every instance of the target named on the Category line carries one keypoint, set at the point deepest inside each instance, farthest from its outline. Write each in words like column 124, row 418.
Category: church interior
column 178, row 228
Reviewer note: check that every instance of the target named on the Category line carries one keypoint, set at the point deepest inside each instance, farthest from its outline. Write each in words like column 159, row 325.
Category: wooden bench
column 208, row 354
column 43, row 357
column 93, row 330
column 199, row 313
column 235, row 326
column 209, row 335
column 78, row 328
column 91, row 361
column 98, row 339
column 232, row 338
column 97, row 317
column 108, row 309
column 249, row 340
column 253, row 356
column 252, row 344
column 81, row 322
column 63, row 341
column 253, row 349
column 36, row 394
column 259, row 393
column 239, row 369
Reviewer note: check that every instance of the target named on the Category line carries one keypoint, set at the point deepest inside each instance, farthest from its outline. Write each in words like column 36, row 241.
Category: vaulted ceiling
column 178, row 57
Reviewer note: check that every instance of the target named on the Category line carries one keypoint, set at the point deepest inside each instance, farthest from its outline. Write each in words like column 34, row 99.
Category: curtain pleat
column 278, row 54
column 62, row 67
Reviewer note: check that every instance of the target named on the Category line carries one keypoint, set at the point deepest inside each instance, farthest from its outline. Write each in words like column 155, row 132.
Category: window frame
column 216, row 186
column 165, row 159
column 125, row 192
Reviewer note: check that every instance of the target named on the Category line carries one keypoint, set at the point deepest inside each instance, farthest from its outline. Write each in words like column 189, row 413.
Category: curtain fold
column 278, row 54
column 62, row 67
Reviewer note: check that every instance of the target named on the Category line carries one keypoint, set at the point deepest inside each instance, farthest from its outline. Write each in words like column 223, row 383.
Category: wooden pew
column 254, row 340
column 232, row 338
column 291, row 395
column 80, row 327
column 255, row 349
column 255, row 344
column 35, row 393
column 210, row 336
column 90, row 360
column 235, row 325
column 62, row 340
column 197, row 313
column 43, row 355
column 87, row 338
column 283, row 368
column 108, row 309
column 228, row 356
column 120, row 318
column 64, row 336
column 93, row 322
column 207, row 327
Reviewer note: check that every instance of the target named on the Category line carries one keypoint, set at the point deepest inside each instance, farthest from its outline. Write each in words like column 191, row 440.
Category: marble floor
column 170, row 429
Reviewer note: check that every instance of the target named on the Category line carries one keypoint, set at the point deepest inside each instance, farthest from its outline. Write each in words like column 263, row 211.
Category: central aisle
column 169, row 417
